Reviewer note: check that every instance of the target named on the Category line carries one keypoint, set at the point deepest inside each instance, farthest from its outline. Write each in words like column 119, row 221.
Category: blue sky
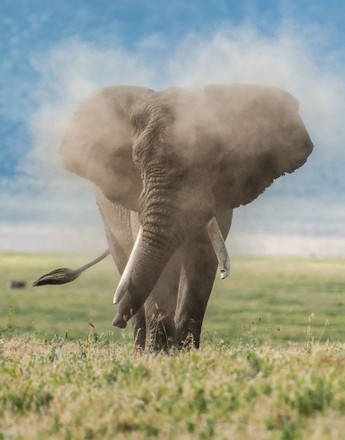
column 54, row 53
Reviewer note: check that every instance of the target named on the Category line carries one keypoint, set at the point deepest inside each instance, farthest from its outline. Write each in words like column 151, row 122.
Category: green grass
column 98, row 390
column 265, row 298
column 271, row 365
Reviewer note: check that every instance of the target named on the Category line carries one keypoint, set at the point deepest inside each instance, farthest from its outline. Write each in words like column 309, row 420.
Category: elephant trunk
column 147, row 262
column 145, row 265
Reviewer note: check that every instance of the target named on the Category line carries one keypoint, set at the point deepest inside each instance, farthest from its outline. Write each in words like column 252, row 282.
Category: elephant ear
column 98, row 143
column 250, row 135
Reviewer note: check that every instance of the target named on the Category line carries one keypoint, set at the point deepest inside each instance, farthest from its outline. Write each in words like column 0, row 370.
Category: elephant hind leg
column 161, row 333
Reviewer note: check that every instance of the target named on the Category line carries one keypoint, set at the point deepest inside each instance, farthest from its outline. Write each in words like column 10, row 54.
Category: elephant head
column 177, row 156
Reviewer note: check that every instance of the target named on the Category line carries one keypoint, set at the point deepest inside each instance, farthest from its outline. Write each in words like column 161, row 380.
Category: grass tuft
column 70, row 389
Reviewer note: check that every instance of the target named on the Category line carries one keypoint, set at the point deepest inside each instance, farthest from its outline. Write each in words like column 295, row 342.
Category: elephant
column 169, row 168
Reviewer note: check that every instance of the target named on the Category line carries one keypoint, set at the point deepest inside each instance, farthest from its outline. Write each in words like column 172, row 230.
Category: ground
column 271, row 364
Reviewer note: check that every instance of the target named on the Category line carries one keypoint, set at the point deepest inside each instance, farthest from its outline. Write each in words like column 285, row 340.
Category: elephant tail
column 65, row 275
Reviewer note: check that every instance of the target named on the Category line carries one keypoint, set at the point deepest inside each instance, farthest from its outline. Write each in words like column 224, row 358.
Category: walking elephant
column 169, row 167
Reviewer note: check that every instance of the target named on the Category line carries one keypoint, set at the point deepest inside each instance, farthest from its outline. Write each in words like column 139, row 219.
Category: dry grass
column 94, row 389
column 271, row 367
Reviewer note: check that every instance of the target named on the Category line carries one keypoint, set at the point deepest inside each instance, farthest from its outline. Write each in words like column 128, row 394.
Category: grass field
column 271, row 365
column 266, row 299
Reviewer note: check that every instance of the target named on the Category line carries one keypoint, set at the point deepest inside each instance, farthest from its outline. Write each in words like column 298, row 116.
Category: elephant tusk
column 219, row 247
column 125, row 278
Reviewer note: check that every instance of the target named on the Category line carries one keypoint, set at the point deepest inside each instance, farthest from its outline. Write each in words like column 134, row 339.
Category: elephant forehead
column 221, row 121
column 187, row 112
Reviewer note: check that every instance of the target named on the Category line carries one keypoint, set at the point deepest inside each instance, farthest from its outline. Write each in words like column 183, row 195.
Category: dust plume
column 292, row 58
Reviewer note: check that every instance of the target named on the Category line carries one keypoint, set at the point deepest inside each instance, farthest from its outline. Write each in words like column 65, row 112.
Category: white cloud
column 68, row 74
column 287, row 59
column 291, row 58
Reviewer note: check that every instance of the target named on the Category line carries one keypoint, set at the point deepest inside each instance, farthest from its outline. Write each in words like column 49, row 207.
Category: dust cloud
column 289, row 59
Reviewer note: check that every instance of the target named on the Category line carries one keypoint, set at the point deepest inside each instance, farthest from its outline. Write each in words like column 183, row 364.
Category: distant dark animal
column 15, row 284
column 169, row 167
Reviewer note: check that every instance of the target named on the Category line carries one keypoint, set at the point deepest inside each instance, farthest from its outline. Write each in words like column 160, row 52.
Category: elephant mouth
column 123, row 292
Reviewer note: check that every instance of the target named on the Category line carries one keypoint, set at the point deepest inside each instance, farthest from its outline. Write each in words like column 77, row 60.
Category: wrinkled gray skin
column 170, row 161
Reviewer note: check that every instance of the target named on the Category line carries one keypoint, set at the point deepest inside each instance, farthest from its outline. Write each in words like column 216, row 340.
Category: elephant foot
column 188, row 342
column 161, row 334
column 187, row 338
column 139, row 329
column 159, row 342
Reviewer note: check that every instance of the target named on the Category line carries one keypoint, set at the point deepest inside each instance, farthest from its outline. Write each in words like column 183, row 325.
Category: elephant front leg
column 199, row 267
column 160, row 326
column 160, row 308
column 197, row 276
